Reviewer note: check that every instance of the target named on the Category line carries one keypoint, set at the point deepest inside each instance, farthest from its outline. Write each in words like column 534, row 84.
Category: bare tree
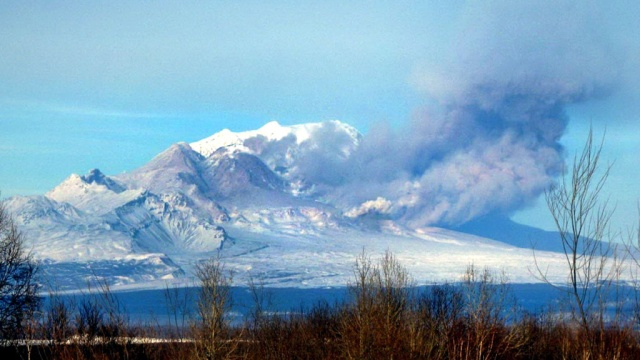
column 177, row 302
column 382, row 294
column 632, row 244
column 214, row 302
column 582, row 221
column 17, row 279
column 489, row 304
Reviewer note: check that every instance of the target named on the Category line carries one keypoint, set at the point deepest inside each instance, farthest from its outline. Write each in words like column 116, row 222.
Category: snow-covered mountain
column 286, row 150
column 247, row 197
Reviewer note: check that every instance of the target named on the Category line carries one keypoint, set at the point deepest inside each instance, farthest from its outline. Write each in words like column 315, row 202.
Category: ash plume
column 492, row 143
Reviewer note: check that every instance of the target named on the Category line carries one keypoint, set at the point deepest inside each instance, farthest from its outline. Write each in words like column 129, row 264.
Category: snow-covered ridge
column 94, row 193
column 288, row 151
column 272, row 131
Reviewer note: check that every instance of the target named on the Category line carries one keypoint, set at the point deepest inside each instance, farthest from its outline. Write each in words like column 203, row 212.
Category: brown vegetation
column 385, row 317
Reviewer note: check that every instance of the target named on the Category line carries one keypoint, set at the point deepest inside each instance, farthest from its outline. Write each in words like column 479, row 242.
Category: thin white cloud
column 69, row 109
column 102, row 112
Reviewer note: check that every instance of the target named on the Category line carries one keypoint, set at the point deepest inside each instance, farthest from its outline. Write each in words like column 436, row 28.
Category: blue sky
column 109, row 84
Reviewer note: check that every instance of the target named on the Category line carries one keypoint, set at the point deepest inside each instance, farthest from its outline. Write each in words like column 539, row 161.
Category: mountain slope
column 248, row 197
column 504, row 229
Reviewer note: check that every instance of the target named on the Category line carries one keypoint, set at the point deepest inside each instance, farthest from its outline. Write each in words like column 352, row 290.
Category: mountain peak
column 179, row 155
column 95, row 180
column 271, row 125
column 95, row 176
column 174, row 168
column 252, row 141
